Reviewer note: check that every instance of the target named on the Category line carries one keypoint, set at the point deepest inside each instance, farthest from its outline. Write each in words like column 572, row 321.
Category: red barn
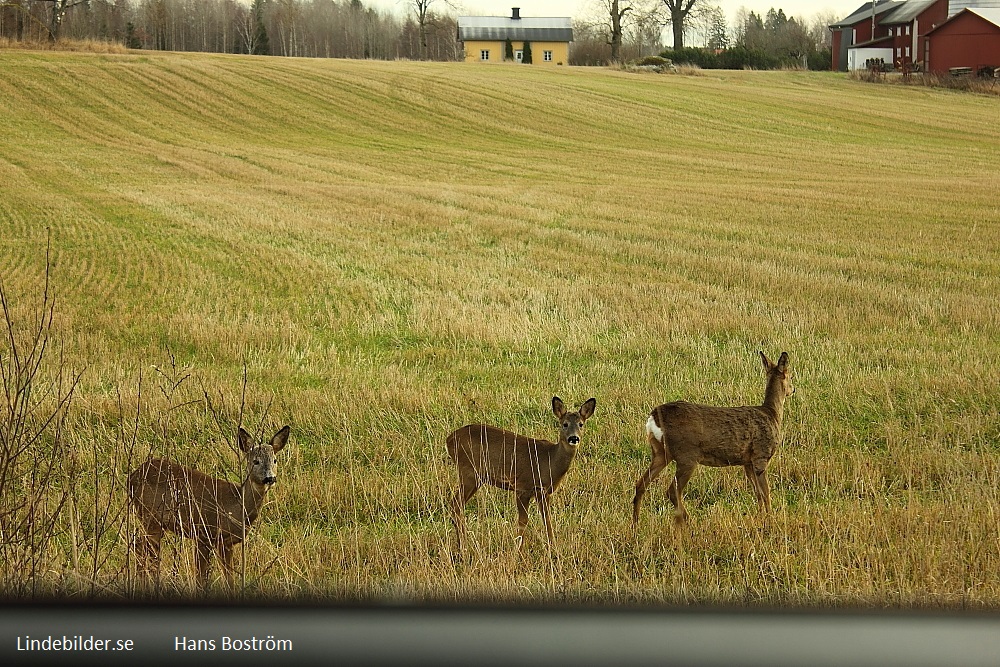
column 908, row 25
column 898, row 37
column 970, row 38
column 857, row 29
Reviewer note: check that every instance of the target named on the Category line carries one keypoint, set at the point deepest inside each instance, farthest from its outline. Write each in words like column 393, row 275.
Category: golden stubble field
column 387, row 251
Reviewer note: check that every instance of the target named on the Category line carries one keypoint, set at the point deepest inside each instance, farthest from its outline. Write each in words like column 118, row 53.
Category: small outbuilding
column 485, row 38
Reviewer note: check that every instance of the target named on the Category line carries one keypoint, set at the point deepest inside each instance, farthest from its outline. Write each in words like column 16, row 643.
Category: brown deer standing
column 690, row 434
column 530, row 468
column 170, row 497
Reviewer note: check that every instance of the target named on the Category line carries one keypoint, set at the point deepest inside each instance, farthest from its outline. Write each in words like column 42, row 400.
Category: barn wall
column 966, row 41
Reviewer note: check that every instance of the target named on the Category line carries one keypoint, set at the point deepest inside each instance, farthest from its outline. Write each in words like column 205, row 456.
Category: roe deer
column 217, row 514
column 530, row 468
column 690, row 434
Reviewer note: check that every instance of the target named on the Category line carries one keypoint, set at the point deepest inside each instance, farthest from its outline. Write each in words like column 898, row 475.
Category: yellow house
column 485, row 38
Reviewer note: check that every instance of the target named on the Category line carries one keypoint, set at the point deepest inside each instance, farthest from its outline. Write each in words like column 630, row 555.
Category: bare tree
column 616, row 11
column 645, row 29
column 679, row 11
column 819, row 29
column 422, row 9
column 59, row 9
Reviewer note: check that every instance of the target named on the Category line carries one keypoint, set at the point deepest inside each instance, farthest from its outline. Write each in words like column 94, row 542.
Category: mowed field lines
column 388, row 251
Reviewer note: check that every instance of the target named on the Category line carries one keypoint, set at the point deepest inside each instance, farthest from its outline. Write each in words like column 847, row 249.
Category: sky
column 574, row 8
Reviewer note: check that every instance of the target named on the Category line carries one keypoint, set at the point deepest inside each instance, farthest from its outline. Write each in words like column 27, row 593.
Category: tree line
column 306, row 28
column 627, row 30
column 615, row 31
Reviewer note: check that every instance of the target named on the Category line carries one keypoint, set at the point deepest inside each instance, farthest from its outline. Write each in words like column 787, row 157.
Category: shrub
column 691, row 55
column 652, row 61
column 821, row 60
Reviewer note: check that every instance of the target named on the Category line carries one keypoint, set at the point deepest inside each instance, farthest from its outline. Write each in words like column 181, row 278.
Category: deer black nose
column 573, row 440
column 270, row 480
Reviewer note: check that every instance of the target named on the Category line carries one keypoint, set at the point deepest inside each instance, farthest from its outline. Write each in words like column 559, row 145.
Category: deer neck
column 774, row 398
column 252, row 498
column 564, row 453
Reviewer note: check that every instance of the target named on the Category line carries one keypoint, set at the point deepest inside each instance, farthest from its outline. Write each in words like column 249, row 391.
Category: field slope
column 391, row 250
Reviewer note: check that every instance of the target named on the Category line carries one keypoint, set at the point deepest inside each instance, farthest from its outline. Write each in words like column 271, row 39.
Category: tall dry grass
column 64, row 44
column 391, row 250
column 972, row 84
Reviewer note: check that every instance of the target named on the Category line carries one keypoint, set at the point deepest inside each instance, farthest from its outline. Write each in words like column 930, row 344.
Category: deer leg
column 225, row 552
column 657, row 465
column 523, row 500
column 754, row 484
column 148, row 549
column 676, row 490
column 763, row 489
column 467, row 487
column 203, row 560
column 543, row 509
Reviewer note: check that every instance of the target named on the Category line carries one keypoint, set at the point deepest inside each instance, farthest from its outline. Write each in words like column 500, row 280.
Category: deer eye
column 565, row 424
column 580, row 424
column 256, row 462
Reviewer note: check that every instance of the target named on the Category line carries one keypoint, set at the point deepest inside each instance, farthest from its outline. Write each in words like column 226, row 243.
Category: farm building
column 897, row 31
column 485, row 38
column 894, row 32
column 968, row 40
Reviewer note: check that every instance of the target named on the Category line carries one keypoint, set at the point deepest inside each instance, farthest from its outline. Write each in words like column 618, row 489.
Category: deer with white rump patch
column 531, row 468
column 690, row 434
column 215, row 513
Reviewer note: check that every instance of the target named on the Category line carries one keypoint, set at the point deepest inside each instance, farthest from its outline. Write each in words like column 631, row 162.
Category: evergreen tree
column 508, row 50
column 132, row 40
column 526, row 58
column 718, row 31
column 261, row 45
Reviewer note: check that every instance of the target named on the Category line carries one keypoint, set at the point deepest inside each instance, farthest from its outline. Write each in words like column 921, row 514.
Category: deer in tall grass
column 531, row 468
column 215, row 513
column 690, row 434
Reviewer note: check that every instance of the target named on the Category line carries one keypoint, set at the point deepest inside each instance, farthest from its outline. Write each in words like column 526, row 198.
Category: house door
column 519, row 55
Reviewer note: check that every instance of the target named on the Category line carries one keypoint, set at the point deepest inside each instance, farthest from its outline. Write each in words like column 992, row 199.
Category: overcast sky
column 576, row 8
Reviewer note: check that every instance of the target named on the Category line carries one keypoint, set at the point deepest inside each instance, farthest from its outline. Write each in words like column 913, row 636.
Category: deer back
column 508, row 460
column 188, row 502
column 716, row 436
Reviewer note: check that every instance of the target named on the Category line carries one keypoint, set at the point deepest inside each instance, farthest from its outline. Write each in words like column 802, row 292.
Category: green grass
column 392, row 250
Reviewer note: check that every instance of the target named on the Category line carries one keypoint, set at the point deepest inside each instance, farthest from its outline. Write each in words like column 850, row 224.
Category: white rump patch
column 653, row 429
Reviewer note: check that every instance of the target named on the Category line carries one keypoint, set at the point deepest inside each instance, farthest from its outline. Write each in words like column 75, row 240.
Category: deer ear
column 587, row 409
column 279, row 439
column 767, row 362
column 783, row 362
column 558, row 408
column 244, row 440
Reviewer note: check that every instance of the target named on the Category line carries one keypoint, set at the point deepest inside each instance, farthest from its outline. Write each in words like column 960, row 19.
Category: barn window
column 907, row 30
column 547, row 56
column 907, row 52
column 484, row 54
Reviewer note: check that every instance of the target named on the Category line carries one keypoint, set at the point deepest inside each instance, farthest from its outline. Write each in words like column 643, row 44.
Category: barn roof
column 906, row 12
column 530, row 29
column 865, row 12
column 988, row 14
column 991, row 15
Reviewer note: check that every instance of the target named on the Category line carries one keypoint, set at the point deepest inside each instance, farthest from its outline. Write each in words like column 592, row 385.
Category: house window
column 547, row 56
column 484, row 54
